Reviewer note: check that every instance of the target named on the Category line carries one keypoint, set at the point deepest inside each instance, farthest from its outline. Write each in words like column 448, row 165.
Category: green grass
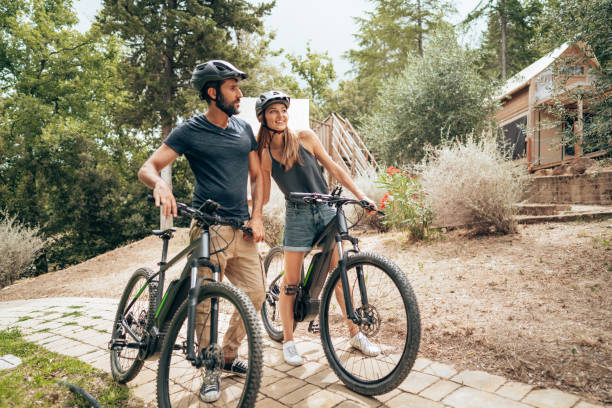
column 75, row 307
column 33, row 383
column 23, row 318
column 76, row 313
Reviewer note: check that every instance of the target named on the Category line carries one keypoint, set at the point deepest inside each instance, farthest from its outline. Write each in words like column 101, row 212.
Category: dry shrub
column 18, row 245
column 274, row 217
column 473, row 183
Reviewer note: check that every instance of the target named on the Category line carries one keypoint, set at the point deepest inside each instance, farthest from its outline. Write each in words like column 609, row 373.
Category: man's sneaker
column 291, row 355
column 210, row 391
column 237, row 366
column 361, row 343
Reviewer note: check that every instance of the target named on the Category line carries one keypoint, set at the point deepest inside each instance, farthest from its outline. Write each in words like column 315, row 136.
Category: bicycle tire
column 389, row 367
column 173, row 353
column 269, row 309
column 127, row 362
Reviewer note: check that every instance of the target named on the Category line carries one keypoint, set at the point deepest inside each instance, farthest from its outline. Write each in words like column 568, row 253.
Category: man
column 222, row 153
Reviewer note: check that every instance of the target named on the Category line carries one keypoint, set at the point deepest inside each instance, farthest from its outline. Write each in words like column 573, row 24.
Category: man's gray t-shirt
column 219, row 159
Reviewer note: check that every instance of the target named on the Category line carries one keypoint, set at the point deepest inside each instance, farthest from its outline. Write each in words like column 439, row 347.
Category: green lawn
column 33, row 383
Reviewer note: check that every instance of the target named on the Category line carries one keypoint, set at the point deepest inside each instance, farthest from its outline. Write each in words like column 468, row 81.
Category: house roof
column 523, row 77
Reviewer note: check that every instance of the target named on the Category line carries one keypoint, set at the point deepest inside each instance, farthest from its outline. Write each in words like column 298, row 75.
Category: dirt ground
column 533, row 306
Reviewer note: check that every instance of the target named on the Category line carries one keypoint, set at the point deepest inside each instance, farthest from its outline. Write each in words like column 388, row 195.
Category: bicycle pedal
column 313, row 327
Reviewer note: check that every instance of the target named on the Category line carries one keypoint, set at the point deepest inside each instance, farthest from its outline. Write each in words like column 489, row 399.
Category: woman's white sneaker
column 363, row 344
column 291, row 355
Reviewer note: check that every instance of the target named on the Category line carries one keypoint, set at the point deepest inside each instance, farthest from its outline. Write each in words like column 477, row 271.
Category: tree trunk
column 420, row 29
column 503, row 21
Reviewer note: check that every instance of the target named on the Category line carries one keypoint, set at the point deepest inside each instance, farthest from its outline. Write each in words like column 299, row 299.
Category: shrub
column 18, row 245
column 404, row 203
column 473, row 183
column 274, row 217
column 438, row 95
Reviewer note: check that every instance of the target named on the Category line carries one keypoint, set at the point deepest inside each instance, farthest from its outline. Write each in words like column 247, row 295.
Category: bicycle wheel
column 179, row 381
column 133, row 320
column 390, row 320
column 274, row 267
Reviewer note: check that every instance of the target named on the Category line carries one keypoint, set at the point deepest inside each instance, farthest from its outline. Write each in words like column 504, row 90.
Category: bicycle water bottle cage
column 291, row 290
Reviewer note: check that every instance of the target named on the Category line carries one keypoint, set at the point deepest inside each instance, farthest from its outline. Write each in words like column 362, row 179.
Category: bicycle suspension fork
column 201, row 258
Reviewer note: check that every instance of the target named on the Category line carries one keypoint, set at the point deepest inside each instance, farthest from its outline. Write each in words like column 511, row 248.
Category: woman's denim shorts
column 304, row 223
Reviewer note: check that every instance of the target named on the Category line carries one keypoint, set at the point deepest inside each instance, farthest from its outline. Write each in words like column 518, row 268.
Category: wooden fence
column 344, row 146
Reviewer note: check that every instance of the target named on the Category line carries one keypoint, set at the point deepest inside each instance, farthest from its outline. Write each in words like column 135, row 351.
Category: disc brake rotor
column 370, row 319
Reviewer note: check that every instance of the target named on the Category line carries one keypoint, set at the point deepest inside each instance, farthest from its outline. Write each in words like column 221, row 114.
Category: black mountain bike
column 377, row 296
column 148, row 324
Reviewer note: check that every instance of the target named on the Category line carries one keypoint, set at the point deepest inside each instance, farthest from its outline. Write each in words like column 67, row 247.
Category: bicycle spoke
column 388, row 323
column 183, row 379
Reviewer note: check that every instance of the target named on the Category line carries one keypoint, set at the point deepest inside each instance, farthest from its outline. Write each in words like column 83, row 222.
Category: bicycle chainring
column 370, row 319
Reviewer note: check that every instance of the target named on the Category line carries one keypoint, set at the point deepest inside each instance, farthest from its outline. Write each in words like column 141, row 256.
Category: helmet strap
column 273, row 131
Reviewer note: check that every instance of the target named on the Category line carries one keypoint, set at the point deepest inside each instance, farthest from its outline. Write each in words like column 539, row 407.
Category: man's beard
column 228, row 108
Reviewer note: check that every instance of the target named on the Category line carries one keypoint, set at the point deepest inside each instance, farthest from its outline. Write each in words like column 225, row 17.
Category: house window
column 572, row 70
column 512, row 135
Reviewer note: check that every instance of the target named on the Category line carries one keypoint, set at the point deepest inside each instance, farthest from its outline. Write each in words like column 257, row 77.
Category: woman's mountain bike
column 190, row 345
column 377, row 296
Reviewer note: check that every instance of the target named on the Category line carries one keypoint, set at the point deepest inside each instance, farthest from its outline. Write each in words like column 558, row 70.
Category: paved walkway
column 80, row 327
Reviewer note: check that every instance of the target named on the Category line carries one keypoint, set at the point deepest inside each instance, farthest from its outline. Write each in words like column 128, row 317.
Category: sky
column 327, row 24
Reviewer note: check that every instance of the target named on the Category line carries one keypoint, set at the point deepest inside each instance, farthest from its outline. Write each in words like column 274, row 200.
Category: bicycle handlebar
column 207, row 214
column 333, row 199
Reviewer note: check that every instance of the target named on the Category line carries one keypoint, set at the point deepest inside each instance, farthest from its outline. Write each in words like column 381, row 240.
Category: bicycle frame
column 199, row 251
column 335, row 232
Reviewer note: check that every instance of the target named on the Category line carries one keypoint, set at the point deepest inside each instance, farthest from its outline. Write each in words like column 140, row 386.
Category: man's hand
column 164, row 197
column 256, row 224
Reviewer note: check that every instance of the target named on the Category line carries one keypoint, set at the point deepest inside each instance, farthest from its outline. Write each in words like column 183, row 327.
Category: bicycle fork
column 201, row 258
column 342, row 261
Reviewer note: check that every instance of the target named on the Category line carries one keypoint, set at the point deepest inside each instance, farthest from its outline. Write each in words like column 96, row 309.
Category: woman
column 293, row 159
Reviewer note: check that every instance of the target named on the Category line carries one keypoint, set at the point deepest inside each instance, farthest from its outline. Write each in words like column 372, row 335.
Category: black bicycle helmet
column 215, row 70
column 270, row 97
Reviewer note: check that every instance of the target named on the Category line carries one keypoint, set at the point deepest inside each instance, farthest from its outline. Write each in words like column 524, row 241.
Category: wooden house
column 525, row 119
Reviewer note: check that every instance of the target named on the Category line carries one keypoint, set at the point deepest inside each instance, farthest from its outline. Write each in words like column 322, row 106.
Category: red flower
column 392, row 170
column 384, row 201
column 416, row 196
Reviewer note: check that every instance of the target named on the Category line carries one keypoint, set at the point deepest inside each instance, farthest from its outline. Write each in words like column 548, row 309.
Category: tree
column 509, row 43
column 166, row 39
column 318, row 72
column 388, row 38
column 65, row 167
column 438, row 96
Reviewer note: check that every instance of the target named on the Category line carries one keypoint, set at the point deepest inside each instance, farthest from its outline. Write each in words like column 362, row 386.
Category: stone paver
column 362, row 400
column 281, row 388
column 405, row 400
column 466, row 397
column 321, row 399
column 440, row 370
column 514, row 390
column 9, row 361
column 312, row 385
column 479, row 380
column 416, row 382
column 439, row 390
column 298, row 395
column 550, row 399
column 306, row 370
column 585, row 404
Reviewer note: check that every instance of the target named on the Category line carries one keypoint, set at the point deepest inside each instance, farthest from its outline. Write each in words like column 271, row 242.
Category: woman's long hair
column 290, row 152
